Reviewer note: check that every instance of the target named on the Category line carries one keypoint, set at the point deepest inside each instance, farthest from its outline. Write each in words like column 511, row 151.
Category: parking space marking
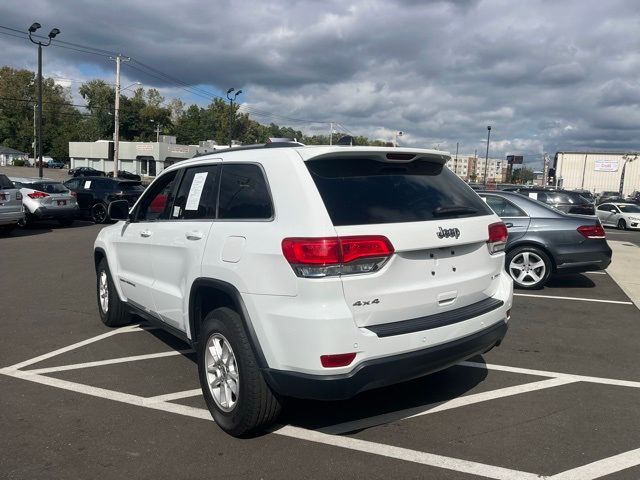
column 603, row 467
column 175, row 396
column 544, row 373
column 346, row 427
column 618, row 302
column 596, row 273
column 62, row 350
column 398, row 453
column 111, row 361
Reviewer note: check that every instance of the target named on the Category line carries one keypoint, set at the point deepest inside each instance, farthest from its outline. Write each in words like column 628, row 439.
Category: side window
column 72, row 184
column 503, row 207
column 156, row 202
column 604, row 207
column 244, row 193
column 197, row 195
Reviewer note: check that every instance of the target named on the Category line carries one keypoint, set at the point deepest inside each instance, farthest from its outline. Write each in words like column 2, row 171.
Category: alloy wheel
column 223, row 377
column 103, row 291
column 527, row 269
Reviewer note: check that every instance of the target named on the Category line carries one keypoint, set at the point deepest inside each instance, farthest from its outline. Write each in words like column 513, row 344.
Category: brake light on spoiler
column 332, row 256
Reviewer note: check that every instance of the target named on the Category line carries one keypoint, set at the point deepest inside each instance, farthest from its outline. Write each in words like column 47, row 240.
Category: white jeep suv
column 310, row 272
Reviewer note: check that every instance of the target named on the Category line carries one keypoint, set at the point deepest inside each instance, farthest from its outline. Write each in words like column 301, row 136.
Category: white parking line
column 602, row 467
column 439, row 461
column 110, row 361
column 342, row 428
column 544, row 373
column 174, row 396
column 596, row 273
column 618, row 302
column 62, row 350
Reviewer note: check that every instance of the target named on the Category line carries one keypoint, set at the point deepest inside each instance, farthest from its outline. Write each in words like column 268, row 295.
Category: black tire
column 256, row 405
column 26, row 221
column 7, row 229
column 66, row 222
column 116, row 314
column 622, row 225
column 99, row 213
column 535, row 278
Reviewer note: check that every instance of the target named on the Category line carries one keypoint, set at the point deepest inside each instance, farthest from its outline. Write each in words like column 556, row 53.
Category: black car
column 94, row 194
column 634, row 197
column 587, row 194
column 86, row 172
column 543, row 240
column 562, row 200
column 125, row 175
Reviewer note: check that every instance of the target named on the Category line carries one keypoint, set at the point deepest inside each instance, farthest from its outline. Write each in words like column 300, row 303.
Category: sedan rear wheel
column 529, row 267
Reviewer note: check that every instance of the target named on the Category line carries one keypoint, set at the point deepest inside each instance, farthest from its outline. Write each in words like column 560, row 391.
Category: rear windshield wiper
column 453, row 210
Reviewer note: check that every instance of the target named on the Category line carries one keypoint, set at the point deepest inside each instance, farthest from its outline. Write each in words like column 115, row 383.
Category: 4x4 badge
column 448, row 232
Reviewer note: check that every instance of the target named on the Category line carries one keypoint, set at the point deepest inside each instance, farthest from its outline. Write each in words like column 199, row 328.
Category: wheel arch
column 206, row 295
column 535, row 244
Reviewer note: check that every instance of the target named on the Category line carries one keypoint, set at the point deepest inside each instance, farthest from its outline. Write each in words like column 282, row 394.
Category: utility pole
column 331, row 133
column 231, row 112
column 486, row 158
column 35, row 135
column 52, row 34
column 457, row 143
column 158, row 133
column 116, row 116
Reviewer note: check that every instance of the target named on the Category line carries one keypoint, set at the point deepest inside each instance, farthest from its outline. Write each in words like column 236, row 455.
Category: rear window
column 131, row 186
column 48, row 187
column 5, row 182
column 362, row 191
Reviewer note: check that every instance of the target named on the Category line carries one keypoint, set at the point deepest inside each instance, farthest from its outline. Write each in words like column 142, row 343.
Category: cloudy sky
column 546, row 75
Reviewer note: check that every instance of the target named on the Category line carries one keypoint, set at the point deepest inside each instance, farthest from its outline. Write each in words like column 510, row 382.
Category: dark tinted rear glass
column 244, row 194
column 131, row 186
column 364, row 191
column 48, row 187
column 5, row 182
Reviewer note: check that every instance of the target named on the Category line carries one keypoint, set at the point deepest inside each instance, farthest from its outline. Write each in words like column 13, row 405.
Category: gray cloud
column 546, row 75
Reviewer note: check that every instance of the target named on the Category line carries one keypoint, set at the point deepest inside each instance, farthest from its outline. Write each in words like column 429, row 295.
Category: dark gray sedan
column 543, row 240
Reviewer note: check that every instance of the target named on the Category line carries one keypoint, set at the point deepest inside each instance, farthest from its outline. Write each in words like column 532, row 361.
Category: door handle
column 145, row 233
column 509, row 225
column 194, row 235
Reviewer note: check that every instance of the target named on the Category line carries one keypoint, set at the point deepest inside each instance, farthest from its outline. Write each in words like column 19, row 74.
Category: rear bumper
column 50, row 212
column 9, row 218
column 584, row 260
column 385, row 371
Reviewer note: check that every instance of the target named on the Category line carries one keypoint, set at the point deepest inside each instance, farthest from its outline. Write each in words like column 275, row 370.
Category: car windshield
column 48, row 187
column 629, row 208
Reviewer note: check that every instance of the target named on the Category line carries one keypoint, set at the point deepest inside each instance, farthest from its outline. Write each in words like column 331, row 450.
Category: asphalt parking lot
column 558, row 399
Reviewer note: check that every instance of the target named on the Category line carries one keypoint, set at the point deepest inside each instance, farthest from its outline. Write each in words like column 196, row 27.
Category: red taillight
column 339, row 360
column 592, row 231
column 37, row 195
column 73, row 194
column 498, row 235
column 321, row 257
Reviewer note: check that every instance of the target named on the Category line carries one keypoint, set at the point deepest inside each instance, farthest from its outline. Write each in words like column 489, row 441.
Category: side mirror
column 118, row 210
column 613, row 210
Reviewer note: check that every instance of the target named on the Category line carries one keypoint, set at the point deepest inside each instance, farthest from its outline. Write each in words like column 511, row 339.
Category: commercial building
column 8, row 155
column 143, row 158
column 597, row 171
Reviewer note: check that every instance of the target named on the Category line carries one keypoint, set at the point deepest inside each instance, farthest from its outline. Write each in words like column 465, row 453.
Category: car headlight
column 635, row 219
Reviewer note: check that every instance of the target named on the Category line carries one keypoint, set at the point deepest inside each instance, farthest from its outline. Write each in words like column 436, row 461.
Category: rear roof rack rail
column 278, row 144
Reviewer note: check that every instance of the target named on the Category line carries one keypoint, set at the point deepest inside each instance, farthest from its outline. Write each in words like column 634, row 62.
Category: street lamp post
column 627, row 158
column 52, row 34
column 231, row 114
column 486, row 157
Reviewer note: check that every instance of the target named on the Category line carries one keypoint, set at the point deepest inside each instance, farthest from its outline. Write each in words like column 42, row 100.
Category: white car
column 309, row 272
column 46, row 199
column 11, row 212
column 621, row 215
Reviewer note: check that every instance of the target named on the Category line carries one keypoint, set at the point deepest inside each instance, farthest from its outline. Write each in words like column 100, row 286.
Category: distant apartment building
column 472, row 169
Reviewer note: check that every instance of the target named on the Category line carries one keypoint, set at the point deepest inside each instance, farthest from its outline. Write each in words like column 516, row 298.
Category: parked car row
column 92, row 172
column 25, row 200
